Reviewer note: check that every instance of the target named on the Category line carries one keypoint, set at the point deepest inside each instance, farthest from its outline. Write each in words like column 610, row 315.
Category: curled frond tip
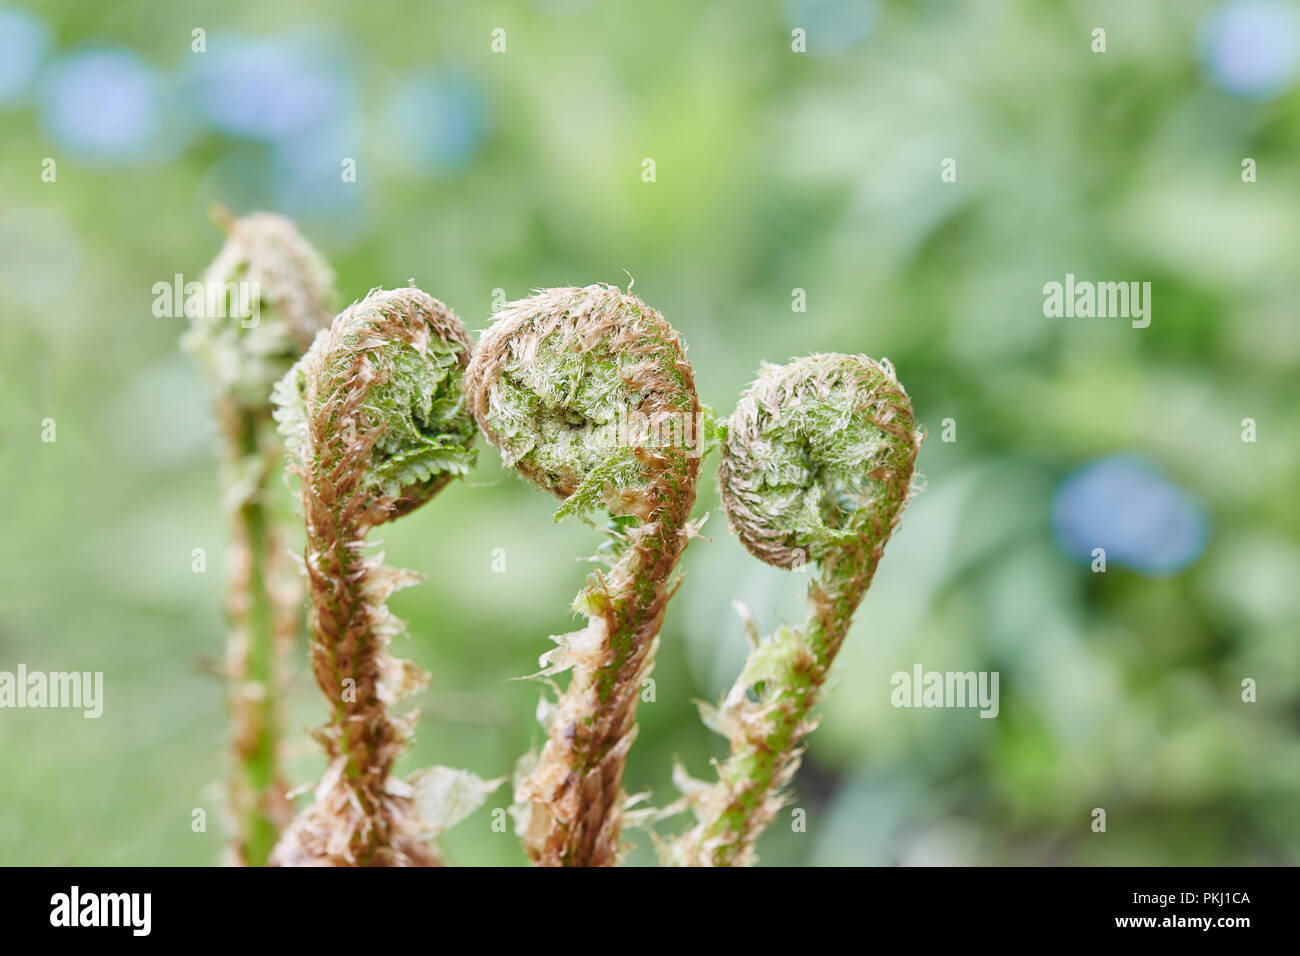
column 266, row 295
column 381, row 394
column 588, row 393
column 818, row 454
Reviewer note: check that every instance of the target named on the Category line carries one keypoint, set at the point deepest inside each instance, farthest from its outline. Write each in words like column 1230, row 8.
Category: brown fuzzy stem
column 817, row 463
column 363, row 739
column 268, row 293
column 588, row 394
column 362, row 411
column 767, row 744
column 576, row 787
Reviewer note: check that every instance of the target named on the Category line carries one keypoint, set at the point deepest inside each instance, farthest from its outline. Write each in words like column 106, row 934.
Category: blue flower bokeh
column 272, row 88
column 1252, row 47
column 832, row 26
column 24, row 42
column 436, row 121
column 107, row 104
column 1126, row 506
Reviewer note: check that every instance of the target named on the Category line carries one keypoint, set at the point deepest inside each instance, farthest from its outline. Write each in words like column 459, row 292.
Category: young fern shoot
column 375, row 424
column 271, row 293
column 817, row 465
column 588, row 394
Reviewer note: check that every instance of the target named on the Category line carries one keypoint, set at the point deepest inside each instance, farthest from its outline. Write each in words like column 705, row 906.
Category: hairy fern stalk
column 588, row 394
column 817, row 465
column 375, row 423
column 242, row 356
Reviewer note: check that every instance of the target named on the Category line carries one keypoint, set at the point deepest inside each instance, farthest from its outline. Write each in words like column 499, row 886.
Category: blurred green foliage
column 775, row 171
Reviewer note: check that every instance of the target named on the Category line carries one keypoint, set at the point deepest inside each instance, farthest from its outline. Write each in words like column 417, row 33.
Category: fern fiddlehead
column 270, row 293
column 375, row 423
column 588, row 394
column 817, row 465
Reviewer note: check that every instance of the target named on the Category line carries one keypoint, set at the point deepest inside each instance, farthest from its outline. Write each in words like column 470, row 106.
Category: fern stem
column 259, row 600
column 375, row 424
column 588, row 394
column 266, row 265
column 817, row 464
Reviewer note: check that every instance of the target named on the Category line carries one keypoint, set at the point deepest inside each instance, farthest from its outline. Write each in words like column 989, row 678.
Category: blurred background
column 774, row 171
